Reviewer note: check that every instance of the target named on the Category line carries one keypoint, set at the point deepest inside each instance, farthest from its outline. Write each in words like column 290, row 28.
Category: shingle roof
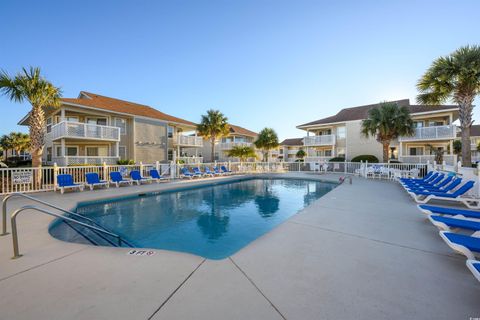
column 117, row 105
column 242, row 131
column 292, row 142
column 474, row 131
column 361, row 112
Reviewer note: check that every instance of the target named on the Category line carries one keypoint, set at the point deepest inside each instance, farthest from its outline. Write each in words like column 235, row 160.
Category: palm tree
column 19, row 141
column 267, row 139
column 29, row 85
column 241, row 152
column 301, row 154
column 5, row 144
column 213, row 126
column 386, row 122
column 454, row 77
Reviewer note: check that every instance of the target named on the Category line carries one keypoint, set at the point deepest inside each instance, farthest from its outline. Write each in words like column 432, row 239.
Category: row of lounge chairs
column 459, row 227
column 198, row 173
column 66, row 181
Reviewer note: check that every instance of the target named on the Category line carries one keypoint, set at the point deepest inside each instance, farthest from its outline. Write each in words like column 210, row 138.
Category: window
column 49, row 153
column 340, row 132
column 122, row 152
column 97, row 121
column 97, row 151
column 415, row 151
column 435, row 123
column 49, row 124
column 122, row 124
column 328, row 153
column 418, row 124
column 170, row 131
column 170, row 155
column 69, row 151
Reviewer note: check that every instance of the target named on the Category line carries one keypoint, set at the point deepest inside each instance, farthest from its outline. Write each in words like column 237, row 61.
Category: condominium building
column 93, row 129
column 340, row 135
column 474, row 142
column 238, row 136
column 289, row 148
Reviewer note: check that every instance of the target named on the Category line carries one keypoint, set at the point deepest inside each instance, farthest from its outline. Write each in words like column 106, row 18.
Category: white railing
column 69, row 129
column 323, row 140
column 189, row 160
column 230, row 145
column 44, row 179
column 74, row 160
column 191, row 141
column 293, row 151
column 432, row 133
column 449, row 159
column 316, row 159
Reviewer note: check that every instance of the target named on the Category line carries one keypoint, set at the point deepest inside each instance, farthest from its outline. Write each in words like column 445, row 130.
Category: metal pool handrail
column 16, row 253
column 17, row 194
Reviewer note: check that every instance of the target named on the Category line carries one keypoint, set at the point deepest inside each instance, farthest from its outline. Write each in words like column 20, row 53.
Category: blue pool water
column 212, row 221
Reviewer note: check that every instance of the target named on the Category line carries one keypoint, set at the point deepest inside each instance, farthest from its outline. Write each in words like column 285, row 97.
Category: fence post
column 55, row 173
column 105, row 169
column 434, row 164
column 365, row 170
column 172, row 170
column 229, row 166
column 443, row 164
column 345, row 166
column 157, row 166
column 141, row 168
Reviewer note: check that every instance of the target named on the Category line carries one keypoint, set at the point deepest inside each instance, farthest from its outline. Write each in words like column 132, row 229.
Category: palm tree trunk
column 37, row 140
column 212, row 141
column 465, row 117
column 386, row 148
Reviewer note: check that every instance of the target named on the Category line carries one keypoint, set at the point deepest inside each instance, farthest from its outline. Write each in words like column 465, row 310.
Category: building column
column 117, row 149
column 400, row 150
column 62, row 114
column 63, row 147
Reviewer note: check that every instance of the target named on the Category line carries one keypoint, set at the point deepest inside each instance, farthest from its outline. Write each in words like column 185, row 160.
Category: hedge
column 365, row 157
column 337, row 159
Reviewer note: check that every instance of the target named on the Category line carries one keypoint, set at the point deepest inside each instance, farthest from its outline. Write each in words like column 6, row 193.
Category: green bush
column 394, row 161
column 365, row 157
column 125, row 162
column 337, row 159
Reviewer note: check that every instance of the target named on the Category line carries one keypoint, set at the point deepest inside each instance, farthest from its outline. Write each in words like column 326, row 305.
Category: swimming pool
column 212, row 221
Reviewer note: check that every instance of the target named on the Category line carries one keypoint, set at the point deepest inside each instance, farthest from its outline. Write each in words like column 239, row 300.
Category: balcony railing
column 323, row 140
column 79, row 130
column 230, row 145
column 432, row 133
column 188, row 141
column 82, row 160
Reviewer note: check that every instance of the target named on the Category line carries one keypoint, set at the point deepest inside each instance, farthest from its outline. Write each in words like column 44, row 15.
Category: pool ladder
column 93, row 226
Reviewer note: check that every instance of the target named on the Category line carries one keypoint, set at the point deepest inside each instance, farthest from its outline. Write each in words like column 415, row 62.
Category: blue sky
column 263, row 63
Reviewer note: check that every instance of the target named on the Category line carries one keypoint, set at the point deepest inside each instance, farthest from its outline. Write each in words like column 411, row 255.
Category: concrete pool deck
column 363, row 251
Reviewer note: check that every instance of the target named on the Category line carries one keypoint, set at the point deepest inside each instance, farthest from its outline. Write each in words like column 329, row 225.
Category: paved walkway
column 363, row 251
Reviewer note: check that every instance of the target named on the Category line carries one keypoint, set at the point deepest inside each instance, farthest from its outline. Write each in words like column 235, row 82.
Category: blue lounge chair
column 217, row 171
column 430, row 176
column 155, row 175
column 446, row 223
column 449, row 211
column 185, row 173
column 457, row 196
column 210, row 172
column 65, row 181
column 199, row 172
column 225, row 170
column 435, row 187
column 137, row 177
column 93, row 180
column 463, row 244
column 474, row 267
column 432, row 182
column 117, row 179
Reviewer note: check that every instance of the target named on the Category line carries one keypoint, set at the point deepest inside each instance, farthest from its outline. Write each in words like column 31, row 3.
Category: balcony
column 230, row 145
column 323, row 140
column 187, row 141
column 190, row 160
column 82, row 160
column 320, row 159
column 448, row 158
column 432, row 133
column 79, row 130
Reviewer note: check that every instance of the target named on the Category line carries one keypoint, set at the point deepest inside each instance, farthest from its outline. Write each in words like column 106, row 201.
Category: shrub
column 394, row 161
column 337, row 159
column 365, row 157
column 125, row 162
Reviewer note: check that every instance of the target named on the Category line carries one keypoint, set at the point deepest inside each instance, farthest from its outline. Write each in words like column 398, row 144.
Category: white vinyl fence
column 44, row 179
